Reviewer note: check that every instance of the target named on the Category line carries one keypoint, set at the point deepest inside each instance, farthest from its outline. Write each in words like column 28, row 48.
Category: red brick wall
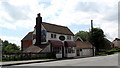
column 25, row 44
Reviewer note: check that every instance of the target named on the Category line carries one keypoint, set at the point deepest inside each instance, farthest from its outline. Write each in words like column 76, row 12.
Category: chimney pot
column 38, row 14
column 91, row 21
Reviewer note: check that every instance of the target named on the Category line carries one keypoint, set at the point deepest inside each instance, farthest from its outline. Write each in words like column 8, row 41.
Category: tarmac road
column 110, row 60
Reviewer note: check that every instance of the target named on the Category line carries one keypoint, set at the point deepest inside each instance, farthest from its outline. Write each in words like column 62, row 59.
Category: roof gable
column 78, row 39
column 28, row 36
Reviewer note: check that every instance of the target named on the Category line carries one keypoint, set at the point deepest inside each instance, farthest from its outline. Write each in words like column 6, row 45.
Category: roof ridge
column 55, row 24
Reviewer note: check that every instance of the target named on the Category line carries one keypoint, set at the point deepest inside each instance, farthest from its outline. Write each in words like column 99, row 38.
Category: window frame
column 57, row 50
column 68, row 37
column 53, row 35
column 71, row 50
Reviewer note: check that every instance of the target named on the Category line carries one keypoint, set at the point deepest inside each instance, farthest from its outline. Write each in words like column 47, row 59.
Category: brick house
column 26, row 41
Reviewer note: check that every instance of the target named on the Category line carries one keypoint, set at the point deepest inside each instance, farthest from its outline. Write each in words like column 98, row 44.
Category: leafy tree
column 84, row 35
column 97, row 38
column 9, row 47
column 4, row 44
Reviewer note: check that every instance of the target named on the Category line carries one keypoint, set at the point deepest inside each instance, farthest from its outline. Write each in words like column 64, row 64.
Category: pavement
column 109, row 60
column 9, row 63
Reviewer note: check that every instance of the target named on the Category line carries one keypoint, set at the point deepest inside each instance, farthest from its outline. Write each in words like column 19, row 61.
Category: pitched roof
column 80, row 44
column 57, row 28
column 28, row 36
column 78, row 38
column 117, row 39
column 34, row 49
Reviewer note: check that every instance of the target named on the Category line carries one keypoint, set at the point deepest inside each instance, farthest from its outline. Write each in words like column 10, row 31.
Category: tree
column 4, row 44
column 84, row 35
column 97, row 38
column 9, row 47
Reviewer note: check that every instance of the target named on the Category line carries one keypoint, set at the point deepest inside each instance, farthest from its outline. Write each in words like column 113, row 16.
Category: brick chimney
column 38, row 29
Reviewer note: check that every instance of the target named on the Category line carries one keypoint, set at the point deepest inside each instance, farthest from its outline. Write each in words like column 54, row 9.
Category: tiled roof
column 28, row 36
column 34, row 49
column 57, row 28
column 80, row 44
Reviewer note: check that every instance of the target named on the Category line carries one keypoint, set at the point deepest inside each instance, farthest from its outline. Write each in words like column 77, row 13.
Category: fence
column 26, row 56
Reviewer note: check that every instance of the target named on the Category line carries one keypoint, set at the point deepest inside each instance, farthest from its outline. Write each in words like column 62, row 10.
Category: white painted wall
column 34, row 40
column 71, row 54
column 116, row 43
column 59, row 55
column 86, row 52
column 48, row 36
column 57, row 36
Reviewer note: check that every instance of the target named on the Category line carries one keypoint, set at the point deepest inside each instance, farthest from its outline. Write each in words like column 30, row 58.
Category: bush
column 108, row 52
column 101, row 54
column 27, row 56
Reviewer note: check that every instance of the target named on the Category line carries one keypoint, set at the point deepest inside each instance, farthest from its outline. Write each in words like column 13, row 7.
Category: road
column 111, row 60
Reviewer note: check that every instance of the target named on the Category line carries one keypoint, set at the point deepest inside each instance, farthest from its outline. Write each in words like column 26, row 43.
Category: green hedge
column 20, row 56
column 108, row 52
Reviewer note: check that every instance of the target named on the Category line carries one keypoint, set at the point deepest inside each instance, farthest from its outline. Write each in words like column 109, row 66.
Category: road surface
column 110, row 60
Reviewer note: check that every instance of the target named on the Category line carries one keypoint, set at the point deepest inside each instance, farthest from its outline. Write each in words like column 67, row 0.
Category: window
column 80, row 49
column 57, row 50
column 53, row 35
column 62, row 38
column 71, row 50
column 69, row 37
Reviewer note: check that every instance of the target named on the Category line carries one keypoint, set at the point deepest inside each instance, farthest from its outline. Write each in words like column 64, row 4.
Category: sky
column 18, row 17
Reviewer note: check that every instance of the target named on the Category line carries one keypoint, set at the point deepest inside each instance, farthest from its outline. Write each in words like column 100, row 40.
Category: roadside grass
column 108, row 52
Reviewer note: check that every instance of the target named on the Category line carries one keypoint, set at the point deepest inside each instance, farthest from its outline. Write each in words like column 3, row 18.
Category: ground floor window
column 71, row 50
column 80, row 49
column 57, row 50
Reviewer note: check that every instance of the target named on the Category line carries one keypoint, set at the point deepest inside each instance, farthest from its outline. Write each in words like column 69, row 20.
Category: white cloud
column 111, row 30
column 61, row 12
column 12, row 39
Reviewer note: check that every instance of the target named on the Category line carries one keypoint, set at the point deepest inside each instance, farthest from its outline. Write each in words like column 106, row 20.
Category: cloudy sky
column 17, row 17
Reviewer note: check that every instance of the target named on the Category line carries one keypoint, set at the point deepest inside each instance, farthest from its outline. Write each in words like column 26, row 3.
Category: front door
column 78, row 52
column 62, row 51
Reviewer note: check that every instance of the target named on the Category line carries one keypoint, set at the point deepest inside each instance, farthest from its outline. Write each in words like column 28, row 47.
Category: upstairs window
column 53, row 35
column 68, row 37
